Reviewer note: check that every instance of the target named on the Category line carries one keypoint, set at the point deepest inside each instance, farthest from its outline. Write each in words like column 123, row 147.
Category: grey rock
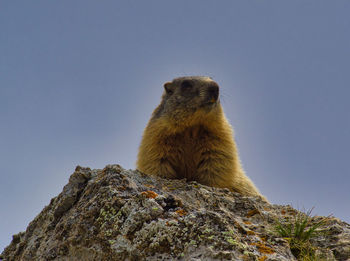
column 118, row 214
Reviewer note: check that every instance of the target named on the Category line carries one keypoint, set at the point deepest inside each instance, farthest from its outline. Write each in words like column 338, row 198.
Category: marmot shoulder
column 188, row 136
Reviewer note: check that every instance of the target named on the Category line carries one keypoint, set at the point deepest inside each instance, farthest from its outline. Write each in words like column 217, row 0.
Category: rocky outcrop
column 118, row 214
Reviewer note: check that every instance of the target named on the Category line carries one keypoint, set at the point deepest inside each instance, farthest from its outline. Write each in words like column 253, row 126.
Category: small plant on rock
column 299, row 231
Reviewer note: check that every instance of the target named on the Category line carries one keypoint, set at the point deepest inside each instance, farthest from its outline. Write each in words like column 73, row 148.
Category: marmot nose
column 213, row 92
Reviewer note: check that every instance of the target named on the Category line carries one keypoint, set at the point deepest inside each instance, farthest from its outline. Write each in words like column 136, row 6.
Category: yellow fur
column 196, row 145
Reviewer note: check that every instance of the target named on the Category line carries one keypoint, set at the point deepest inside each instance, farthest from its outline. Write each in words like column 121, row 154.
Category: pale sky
column 79, row 80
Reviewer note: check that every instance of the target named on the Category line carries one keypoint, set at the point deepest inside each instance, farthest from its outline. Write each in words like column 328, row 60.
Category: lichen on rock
column 118, row 214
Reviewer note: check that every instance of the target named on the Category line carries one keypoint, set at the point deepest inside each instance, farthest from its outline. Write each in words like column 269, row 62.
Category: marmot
column 188, row 136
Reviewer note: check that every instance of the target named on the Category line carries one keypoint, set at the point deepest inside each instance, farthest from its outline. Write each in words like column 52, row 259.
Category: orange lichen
column 247, row 222
column 263, row 248
column 262, row 258
column 263, row 238
column 253, row 212
column 181, row 212
column 149, row 194
column 249, row 232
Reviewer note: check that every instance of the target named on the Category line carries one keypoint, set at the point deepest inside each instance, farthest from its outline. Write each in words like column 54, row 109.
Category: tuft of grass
column 299, row 231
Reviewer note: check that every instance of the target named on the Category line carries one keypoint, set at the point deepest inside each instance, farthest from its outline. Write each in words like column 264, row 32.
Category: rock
column 118, row 214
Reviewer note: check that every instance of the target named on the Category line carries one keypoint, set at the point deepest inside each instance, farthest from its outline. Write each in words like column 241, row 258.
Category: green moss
column 208, row 230
column 109, row 232
column 193, row 242
column 229, row 232
column 111, row 242
column 231, row 241
column 242, row 246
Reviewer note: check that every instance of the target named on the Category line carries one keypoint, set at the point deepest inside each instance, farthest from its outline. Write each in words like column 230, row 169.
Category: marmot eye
column 185, row 85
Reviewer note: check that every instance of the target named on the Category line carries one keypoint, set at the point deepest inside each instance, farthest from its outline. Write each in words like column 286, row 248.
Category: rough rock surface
column 117, row 214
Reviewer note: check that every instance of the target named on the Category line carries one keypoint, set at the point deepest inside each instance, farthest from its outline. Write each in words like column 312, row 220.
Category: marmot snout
column 188, row 136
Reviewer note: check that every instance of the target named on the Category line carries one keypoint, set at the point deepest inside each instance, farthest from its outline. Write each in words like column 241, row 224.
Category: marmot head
column 189, row 99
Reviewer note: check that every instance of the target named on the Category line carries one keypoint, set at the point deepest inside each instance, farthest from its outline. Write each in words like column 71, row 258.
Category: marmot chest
column 185, row 151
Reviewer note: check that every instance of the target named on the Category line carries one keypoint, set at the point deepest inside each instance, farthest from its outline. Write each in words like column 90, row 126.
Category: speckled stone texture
column 118, row 214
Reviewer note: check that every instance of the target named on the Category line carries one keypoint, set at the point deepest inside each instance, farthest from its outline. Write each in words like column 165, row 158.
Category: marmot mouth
column 209, row 104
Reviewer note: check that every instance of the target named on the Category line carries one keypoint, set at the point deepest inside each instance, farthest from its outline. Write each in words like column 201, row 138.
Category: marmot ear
column 168, row 88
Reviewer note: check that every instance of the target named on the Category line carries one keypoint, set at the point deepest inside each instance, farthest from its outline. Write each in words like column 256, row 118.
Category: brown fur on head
column 188, row 101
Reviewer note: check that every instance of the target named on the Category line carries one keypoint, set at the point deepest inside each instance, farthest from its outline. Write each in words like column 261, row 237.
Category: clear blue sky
column 79, row 80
